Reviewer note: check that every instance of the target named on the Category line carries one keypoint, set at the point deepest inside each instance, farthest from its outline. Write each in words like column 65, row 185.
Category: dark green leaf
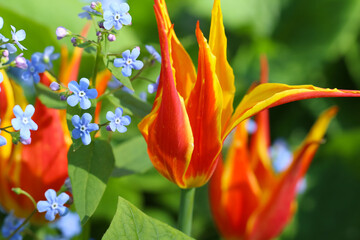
column 131, row 157
column 130, row 223
column 133, row 103
column 49, row 98
column 89, row 170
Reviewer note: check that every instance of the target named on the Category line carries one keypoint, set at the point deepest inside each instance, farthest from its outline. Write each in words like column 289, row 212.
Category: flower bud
column 20, row 62
column 63, row 98
column 61, row 32
column 111, row 37
column 98, row 33
column 93, row 5
column 25, row 141
column 5, row 53
column 108, row 128
column 54, row 86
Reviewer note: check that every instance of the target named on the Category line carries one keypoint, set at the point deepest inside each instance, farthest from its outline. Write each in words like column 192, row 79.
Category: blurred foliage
column 306, row 42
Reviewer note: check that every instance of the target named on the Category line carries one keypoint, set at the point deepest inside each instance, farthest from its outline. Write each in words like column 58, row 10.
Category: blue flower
column 2, row 139
column 153, row 52
column 31, row 74
column 10, row 47
column 117, row 121
column 11, row 223
column 152, row 87
column 83, row 127
column 129, row 62
column 54, row 204
column 23, row 121
column 81, row 93
column 48, row 56
column 69, row 225
column 116, row 16
column 86, row 14
column 18, row 36
column 1, row 22
column 281, row 156
column 251, row 126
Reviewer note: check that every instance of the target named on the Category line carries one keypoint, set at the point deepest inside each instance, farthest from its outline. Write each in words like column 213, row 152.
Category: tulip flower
column 35, row 167
column 249, row 199
column 193, row 113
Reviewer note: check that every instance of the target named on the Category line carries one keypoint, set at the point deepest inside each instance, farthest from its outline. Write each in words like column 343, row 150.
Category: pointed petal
column 269, row 95
column 276, row 210
column 170, row 143
column 184, row 75
column 218, row 45
column 204, row 108
column 234, row 191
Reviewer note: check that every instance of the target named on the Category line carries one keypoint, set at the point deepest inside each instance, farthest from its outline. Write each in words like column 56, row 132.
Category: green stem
column 97, row 60
column 23, row 224
column 186, row 210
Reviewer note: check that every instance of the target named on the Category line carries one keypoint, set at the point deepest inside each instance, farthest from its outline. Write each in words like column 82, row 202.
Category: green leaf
column 130, row 223
column 49, row 98
column 70, row 112
column 133, row 103
column 131, row 157
column 117, row 73
column 89, row 170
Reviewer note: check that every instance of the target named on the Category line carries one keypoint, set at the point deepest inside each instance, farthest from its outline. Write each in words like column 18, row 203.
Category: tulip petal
column 204, row 108
column 170, row 144
column 234, row 191
column 269, row 95
column 184, row 75
column 277, row 209
column 218, row 45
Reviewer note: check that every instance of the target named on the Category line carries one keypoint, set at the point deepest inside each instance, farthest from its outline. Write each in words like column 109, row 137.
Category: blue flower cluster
column 11, row 223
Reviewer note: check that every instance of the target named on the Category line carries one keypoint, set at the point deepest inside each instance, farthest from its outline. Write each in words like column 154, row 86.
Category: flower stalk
column 186, row 210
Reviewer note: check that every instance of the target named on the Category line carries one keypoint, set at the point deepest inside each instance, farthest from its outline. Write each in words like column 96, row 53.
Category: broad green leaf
column 130, row 223
column 133, row 103
column 70, row 112
column 131, row 157
column 89, row 170
column 49, row 98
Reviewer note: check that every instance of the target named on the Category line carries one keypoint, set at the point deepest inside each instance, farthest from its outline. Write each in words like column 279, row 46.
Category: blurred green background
column 306, row 42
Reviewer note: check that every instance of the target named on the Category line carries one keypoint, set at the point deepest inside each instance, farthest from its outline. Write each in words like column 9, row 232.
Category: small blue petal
column 73, row 100
column 86, row 139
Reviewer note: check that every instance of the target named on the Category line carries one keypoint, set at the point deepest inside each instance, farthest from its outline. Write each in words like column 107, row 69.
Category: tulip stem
column 186, row 210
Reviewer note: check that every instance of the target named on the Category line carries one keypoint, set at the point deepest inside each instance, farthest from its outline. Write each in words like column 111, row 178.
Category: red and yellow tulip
column 35, row 167
column 248, row 199
column 192, row 113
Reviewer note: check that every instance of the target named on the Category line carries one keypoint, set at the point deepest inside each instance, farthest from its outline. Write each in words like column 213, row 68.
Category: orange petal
column 276, row 210
column 218, row 45
column 204, row 108
column 183, row 67
column 273, row 94
column 170, row 143
column 234, row 191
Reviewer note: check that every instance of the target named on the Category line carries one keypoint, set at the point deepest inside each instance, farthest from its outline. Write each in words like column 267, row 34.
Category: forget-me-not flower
column 81, row 93
column 53, row 205
column 31, row 74
column 69, row 225
column 1, row 22
column 18, row 36
column 11, row 223
column 153, row 52
column 251, row 126
column 83, row 127
column 116, row 16
column 281, row 156
column 2, row 139
column 20, row 61
column 129, row 62
column 152, row 87
column 23, row 121
column 86, row 14
column 117, row 120
column 48, row 56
